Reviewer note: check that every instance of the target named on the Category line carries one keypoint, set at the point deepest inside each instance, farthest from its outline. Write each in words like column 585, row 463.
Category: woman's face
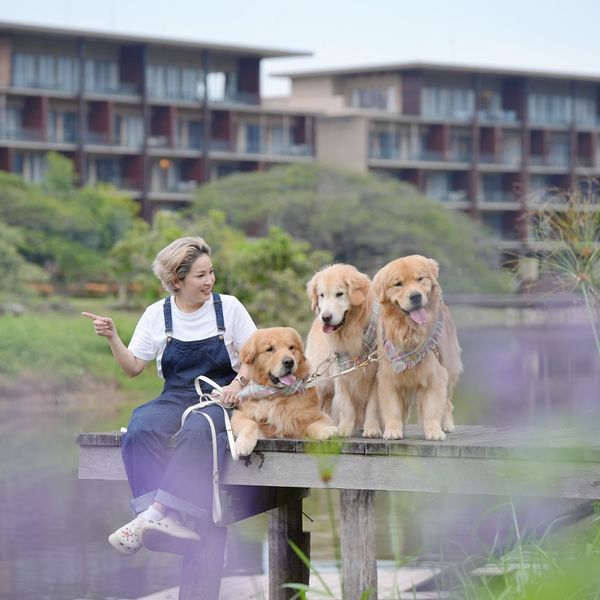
column 198, row 283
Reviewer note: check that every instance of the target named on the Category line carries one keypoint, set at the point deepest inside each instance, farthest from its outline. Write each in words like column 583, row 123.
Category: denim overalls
column 176, row 470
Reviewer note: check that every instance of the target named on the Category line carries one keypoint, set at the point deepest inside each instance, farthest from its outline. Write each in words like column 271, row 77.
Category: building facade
column 488, row 142
column 154, row 117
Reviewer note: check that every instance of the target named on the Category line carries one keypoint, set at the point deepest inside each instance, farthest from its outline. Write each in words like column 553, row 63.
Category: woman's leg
column 146, row 446
column 186, row 484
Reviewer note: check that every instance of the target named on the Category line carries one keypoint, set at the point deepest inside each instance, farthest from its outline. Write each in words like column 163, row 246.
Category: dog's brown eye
column 420, row 278
column 339, row 294
column 398, row 284
column 292, row 347
column 269, row 349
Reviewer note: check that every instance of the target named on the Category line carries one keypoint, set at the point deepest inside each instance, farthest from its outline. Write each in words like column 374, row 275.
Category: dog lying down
column 276, row 404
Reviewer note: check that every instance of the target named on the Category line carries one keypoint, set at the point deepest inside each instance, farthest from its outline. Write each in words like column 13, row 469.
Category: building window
column 253, row 138
column 129, row 130
column 45, row 71
column 448, row 102
column 381, row 97
column 549, row 108
column 101, row 75
column 168, row 81
column 31, row 166
column 105, row 170
column 24, row 73
column 62, row 126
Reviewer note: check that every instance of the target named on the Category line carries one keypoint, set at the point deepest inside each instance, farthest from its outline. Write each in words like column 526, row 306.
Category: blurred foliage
column 362, row 219
column 14, row 269
column 64, row 230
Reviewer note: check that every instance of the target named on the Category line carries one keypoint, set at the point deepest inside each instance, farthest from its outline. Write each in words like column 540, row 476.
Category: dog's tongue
column 288, row 379
column 419, row 316
column 328, row 328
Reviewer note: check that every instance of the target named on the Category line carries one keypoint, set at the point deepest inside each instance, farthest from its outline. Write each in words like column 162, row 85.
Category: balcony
column 498, row 116
column 175, row 187
column 497, row 196
column 98, row 138
column 236, row 98
column 429, row 155
column 551, row 160
column 459, row 156
column 120, row 89
column 23, row 134
column 384, row 153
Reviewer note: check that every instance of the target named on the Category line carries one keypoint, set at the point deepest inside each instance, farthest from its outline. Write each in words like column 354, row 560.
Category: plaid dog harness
column 401, row 361
column 369, row 340
column 255, row 391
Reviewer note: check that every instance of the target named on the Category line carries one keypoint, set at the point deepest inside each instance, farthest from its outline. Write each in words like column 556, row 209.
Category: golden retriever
column 411, row 310
column 343, row 300
column 276, row 357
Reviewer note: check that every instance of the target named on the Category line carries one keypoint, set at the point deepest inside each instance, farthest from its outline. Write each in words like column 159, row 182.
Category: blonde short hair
column 175, row 260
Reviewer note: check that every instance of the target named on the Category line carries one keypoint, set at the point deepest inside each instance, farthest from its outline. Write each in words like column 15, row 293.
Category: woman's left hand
column 229, row 395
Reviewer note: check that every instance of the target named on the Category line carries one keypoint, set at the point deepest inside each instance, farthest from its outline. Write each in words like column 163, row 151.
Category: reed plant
column 566, row 226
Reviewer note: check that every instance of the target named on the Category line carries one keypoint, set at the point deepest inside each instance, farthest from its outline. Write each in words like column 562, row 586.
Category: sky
column 528, row 34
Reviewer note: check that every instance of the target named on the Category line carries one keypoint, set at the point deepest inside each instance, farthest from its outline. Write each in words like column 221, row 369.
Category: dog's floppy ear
column 434, row 267
column 358, row 287
column 248, row 351
column 297, row 339
column 303, row 366
column 311, row 290
column 379, row 285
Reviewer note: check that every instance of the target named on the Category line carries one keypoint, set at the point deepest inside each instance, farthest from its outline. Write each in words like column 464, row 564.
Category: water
column 53, row 527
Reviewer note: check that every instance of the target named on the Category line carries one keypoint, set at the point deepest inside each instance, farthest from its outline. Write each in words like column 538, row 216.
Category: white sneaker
column 127, row 540
column 168, row 535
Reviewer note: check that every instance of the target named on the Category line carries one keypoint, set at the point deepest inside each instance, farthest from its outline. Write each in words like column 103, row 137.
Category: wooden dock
column 508, row 462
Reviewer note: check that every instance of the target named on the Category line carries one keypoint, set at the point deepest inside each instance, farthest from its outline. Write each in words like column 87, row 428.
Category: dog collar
column 344, row 360
column 401, row 361
column 256, row 391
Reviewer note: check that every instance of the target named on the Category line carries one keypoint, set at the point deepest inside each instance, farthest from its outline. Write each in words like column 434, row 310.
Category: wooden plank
column 357, row 541
column 467, row 440
column 425, row 474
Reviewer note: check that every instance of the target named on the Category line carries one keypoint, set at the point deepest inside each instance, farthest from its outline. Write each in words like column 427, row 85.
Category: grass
column 60, row 346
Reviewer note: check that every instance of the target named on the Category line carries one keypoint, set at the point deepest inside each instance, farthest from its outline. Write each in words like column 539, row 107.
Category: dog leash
column 217, row 511
column 315, row 378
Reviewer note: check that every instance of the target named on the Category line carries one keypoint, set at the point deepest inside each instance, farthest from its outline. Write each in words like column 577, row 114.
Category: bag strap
column 217, row 511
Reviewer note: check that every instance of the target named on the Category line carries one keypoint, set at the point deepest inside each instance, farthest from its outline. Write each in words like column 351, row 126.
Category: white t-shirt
column 149, row 340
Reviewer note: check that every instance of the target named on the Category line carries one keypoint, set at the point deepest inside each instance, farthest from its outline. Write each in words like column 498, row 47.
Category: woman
column 192, row 332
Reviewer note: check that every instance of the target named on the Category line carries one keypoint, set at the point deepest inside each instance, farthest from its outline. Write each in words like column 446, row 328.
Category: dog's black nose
column 326, row 318
column 416, row 297
column 288, row 362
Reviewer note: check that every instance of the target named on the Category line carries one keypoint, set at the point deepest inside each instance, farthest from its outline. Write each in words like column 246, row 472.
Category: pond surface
column 53, row 528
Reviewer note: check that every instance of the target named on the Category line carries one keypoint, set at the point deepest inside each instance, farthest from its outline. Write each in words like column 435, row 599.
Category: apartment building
column 155, row 117
column 489, row 142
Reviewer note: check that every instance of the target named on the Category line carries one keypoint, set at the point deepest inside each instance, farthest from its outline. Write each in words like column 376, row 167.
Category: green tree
column 14, row 269
column 269, row 277
column 64, row 230
column 130, row 259
column 362, row 219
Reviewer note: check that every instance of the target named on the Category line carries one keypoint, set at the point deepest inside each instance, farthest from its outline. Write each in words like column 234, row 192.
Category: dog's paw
column 244, row 446
column 448, row 427
column 327, row 432
column 436, row 435
column 346, row 429
column 371, row 432
column 393, row 433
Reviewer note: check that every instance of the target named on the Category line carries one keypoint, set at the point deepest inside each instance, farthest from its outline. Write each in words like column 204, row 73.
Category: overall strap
column 218, row 304
column 168, row 318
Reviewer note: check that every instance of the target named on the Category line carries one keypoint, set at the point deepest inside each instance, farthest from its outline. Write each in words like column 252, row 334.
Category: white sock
column 152, row 514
